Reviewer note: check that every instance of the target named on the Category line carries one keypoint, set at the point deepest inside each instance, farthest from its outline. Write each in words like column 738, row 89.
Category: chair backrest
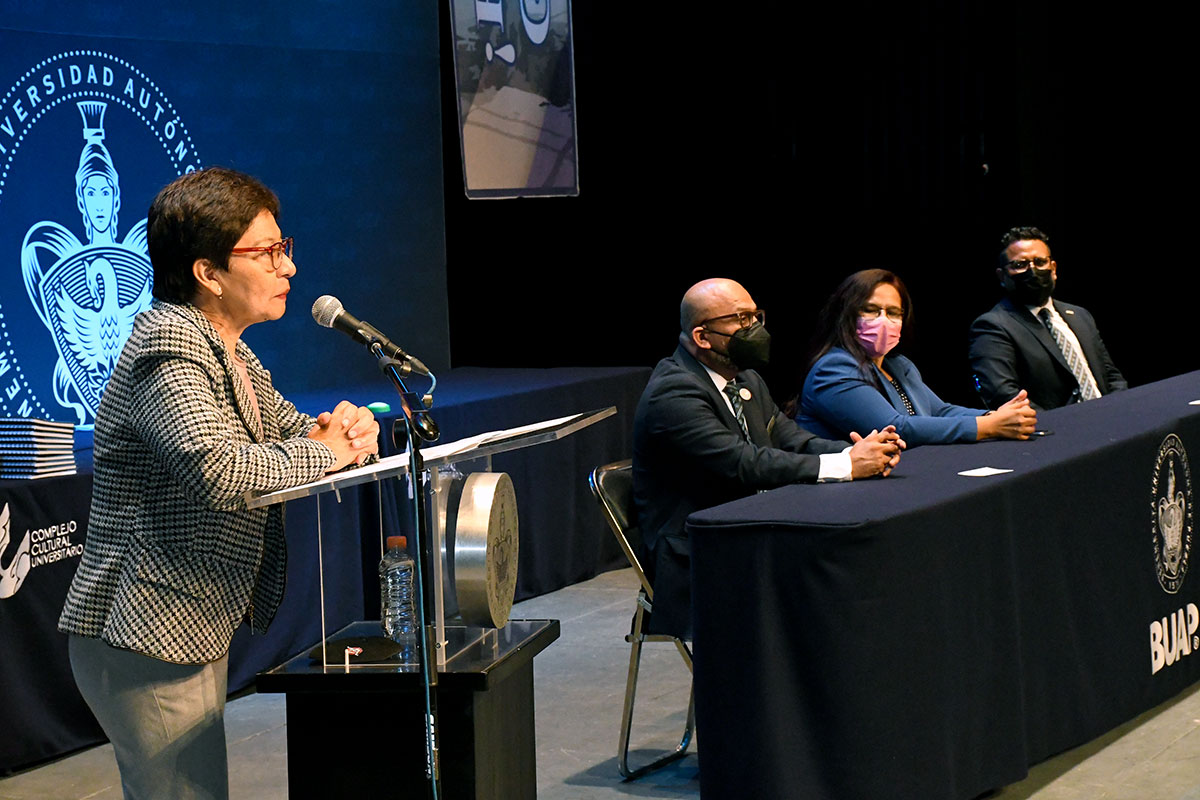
column 612, row 484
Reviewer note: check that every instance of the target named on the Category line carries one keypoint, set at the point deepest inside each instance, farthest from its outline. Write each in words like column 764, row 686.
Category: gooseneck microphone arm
column 329, row 313
column 393, row 361
column 416, row 414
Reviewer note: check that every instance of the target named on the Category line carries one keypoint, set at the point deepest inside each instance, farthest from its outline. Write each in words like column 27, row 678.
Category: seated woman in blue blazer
column 857, row 384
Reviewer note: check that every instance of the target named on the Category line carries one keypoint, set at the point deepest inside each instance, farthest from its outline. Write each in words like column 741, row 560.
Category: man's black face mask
column 1032, row 287
column 749, row 348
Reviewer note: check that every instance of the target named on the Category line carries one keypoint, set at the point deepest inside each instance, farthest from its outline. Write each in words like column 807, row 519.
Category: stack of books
column 36, row 448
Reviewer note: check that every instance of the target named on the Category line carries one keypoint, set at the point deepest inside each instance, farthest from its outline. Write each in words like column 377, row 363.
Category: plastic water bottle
column 397, row 598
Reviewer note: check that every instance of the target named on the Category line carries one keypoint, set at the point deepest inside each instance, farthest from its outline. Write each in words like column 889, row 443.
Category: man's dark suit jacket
column 1011, row 350
column 689, row 454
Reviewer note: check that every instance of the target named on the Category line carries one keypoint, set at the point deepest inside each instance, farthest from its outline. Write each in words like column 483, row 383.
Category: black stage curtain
column 789, row 146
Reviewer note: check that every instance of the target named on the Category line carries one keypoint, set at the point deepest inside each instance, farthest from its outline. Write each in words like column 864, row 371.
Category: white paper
column 473, row 442
column 983, row 472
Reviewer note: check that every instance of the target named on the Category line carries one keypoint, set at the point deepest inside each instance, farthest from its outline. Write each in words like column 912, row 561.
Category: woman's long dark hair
column 836, row 324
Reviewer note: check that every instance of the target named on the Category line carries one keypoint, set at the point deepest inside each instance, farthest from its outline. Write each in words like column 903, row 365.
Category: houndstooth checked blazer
column 174, row 560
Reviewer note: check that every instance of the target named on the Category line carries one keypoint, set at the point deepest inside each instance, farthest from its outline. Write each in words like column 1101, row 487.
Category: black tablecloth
column 930, row 635
column 43, row 712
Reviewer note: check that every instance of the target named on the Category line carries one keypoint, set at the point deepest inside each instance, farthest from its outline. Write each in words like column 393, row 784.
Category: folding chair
column 613, row 486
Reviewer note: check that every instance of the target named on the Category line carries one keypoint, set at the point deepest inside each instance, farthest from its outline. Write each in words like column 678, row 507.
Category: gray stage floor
column 580, row 683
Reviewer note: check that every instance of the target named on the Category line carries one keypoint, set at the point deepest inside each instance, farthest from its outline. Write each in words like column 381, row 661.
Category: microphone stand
column 418, row 424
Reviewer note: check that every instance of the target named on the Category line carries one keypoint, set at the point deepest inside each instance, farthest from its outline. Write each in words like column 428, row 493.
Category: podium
column 358, row 728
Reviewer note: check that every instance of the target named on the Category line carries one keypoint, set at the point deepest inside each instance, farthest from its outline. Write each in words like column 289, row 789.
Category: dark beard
column 723, row 360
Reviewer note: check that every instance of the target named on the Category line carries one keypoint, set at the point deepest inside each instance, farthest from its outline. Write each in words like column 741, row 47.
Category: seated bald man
column 706, row 432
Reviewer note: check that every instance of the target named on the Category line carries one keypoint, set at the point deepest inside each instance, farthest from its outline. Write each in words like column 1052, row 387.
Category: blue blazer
column 839, row 398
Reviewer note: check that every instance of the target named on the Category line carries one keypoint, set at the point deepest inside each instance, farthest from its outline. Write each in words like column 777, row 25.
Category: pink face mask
column 878, row 335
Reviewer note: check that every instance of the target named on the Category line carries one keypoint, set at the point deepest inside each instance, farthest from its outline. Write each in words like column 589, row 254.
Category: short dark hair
column 1019, row 234
column 200, row 215
column 838, row 320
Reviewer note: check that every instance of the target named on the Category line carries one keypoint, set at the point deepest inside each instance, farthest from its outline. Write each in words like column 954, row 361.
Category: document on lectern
column 484, row 444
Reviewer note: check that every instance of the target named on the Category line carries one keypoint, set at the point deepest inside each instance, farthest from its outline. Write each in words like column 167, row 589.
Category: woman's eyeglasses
column 277, row 251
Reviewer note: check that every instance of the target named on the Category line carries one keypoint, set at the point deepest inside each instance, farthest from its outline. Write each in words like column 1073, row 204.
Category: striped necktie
column 1075, row 360
column 733, row 392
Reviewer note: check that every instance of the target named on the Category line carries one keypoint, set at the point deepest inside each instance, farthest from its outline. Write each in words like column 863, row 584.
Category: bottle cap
column 400, row 542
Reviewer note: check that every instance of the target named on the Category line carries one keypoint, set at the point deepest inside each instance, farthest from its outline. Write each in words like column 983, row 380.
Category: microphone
column 329, row 313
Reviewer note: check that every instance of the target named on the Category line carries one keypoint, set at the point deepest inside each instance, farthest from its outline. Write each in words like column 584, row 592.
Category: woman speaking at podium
column 174, row 561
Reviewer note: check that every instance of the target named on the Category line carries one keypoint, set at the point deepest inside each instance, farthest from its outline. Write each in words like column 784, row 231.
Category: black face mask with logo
column 1032, row 287
column 750, row 348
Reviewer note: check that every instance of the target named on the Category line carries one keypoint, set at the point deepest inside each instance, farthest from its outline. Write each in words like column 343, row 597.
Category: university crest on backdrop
column 86, row 141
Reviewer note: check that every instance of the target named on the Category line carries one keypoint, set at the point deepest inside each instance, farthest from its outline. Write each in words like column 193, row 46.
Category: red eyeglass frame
column 282, row 247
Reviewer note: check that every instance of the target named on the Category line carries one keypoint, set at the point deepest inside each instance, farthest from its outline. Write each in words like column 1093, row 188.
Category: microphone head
column 326, row 309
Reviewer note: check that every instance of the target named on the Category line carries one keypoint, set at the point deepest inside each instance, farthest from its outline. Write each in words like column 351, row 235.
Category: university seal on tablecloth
column 82, row 134
column 1171, row 513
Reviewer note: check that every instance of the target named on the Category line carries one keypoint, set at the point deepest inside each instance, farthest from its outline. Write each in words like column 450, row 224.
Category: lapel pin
column 744, row 393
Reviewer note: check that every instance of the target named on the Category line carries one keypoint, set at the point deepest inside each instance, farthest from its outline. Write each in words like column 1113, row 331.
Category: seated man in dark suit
column 706, row 432
column 1028, row 341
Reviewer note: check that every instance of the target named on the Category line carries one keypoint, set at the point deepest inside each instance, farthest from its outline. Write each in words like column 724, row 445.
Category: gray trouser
column 166, row 721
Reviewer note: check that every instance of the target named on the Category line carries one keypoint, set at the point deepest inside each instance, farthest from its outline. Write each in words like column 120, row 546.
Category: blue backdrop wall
column 333, row 105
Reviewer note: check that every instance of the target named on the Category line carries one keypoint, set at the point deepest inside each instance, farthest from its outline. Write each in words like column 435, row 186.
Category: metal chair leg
column 636, row 639
column 612, row 484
